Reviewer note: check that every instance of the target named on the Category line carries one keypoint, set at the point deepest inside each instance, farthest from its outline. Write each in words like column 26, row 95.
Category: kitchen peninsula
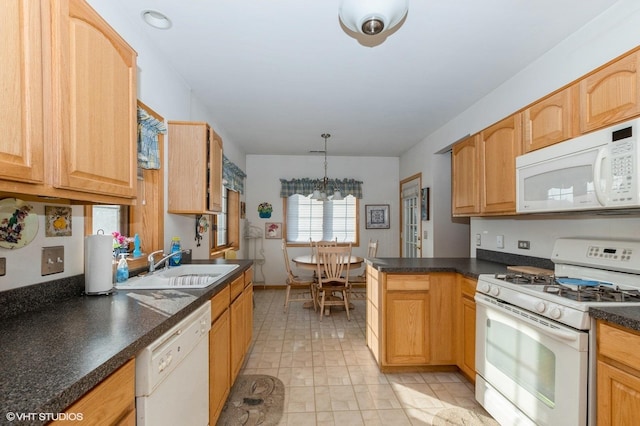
column 421, row 313
column 53, row 356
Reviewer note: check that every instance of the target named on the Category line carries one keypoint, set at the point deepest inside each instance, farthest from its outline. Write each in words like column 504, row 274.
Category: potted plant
column 264, row 210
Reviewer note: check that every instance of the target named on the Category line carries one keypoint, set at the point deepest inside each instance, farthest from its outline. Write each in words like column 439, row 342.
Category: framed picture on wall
column 377, row 216
column 273, row 230
column 425, row 203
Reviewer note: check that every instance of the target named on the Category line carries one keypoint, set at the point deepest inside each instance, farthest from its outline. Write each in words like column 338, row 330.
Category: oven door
column 529, row 365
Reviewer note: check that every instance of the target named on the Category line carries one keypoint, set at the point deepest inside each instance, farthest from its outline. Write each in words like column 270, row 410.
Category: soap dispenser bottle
column 122, row 270
column 176, row 248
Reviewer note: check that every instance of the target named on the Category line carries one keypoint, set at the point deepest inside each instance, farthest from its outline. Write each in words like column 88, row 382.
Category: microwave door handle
column 597, row 174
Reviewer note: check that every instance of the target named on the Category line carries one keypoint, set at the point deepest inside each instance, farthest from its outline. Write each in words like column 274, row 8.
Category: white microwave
column 596, row 171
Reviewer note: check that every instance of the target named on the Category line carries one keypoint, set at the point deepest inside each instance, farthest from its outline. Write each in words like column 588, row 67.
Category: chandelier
column 322, row 190
column 371, row 17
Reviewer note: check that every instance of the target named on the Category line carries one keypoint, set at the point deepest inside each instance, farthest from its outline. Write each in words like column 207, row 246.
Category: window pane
column 314, row 220
column 110, row 218
column 221, row 221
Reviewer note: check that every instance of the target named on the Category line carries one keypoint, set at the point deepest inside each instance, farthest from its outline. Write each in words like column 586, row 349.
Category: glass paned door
column 410, row 237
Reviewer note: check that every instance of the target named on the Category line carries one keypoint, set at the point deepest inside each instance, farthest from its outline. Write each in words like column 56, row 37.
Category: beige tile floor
column 330, row 376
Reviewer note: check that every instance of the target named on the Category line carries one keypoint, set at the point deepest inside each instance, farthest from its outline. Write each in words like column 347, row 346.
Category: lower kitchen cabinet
column 219, row 354
column 410, row 319
column 112, row 402
column 466, row 327
column 618, row 375
column 241, row 312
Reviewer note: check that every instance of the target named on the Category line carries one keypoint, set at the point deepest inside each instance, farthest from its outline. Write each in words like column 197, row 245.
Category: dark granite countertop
column 466, row 266
column 50, row 357
column 626, row 316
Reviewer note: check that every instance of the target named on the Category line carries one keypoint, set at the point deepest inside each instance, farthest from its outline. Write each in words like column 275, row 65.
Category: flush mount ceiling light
column 321, row 191
column 371, row 17
column 156, row 19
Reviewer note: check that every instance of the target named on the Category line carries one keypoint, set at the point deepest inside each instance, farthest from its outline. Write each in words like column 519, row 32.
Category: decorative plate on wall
column 18, row 224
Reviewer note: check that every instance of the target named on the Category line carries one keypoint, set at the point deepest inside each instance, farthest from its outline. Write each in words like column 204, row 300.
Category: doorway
column 410, row 223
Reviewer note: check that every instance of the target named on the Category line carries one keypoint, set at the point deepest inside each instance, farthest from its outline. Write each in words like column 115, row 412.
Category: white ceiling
column 276, row 74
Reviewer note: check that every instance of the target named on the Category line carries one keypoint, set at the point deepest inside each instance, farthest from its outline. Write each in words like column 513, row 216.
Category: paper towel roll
column 98, row 268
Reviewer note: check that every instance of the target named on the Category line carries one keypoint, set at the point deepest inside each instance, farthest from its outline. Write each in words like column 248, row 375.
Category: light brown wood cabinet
column 229, row 339
column 73, row 80
column 466, row 327
column 465, row 163
column 112, row 402
column 611, row 94
column 499, row 145
column 550, row 120
column 219, row 354
column 618, row 375
column 195, row 168
column 410, row 319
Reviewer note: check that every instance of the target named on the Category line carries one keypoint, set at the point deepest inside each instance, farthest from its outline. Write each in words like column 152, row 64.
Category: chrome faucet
column 153, row 265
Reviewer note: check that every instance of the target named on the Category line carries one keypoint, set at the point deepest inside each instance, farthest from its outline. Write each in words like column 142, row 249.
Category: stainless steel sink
column 183, row 276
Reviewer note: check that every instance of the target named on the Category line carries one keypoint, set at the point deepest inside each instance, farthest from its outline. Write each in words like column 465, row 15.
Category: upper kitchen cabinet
column 195, row 168
column 21, row 125
column 69, row 104
column 611, row 94
column 550, row 120
column 465, row 173
column 499, row 145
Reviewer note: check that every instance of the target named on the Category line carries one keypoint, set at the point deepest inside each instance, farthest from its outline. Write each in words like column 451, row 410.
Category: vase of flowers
column 120, row 243
column 264, row 210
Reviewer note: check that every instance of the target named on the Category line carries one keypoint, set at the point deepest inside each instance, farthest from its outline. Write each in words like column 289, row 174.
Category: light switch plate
column 52, row 260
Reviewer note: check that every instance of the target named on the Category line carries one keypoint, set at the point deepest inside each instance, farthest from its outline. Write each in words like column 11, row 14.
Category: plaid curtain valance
column 233, row 176
column 305, row 186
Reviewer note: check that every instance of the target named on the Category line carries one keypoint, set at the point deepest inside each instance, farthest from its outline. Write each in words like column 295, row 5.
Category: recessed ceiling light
column 156, row 19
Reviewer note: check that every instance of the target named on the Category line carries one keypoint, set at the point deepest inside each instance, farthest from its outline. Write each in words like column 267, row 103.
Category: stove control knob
column 495, row 291
column 541, row 307
column 484, row 288
column 555, row 313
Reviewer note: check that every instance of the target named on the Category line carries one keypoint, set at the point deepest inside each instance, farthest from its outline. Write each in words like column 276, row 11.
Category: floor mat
column 255, row 399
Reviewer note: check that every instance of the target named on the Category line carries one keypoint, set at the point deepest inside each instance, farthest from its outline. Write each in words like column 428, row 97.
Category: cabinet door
column 468, row 355
column 248, row 316
column 219, row 365
column 550, row 120
column 406, row 331
column 441, row 319
column 500, row 144
column 465, row 177
column 93, row 107
column 618, row 396
column 215, row 173
column 21, row 123
column 610, row 95
column 237, row 335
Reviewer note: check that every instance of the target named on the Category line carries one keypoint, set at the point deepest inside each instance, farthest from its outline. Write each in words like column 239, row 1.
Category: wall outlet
column 525, row 245
column 425, row 235
column 478, row 240
column 52, row 260
column 500, row 241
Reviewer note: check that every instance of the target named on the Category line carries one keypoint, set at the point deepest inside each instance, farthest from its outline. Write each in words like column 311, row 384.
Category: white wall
column 606, row 37
column 380, row 186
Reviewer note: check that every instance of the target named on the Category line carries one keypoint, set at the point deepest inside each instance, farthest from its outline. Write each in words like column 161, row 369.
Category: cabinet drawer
column 248, row 276
column 219, row 303
column 619, row 345
column 408, row 282
column 236, row 287
column 111, row 401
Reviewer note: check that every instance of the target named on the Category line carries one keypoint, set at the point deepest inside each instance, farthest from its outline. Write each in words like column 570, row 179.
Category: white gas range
column 535, row 340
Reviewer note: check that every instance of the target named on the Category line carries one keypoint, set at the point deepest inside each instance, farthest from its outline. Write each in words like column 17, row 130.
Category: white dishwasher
column 172, row 374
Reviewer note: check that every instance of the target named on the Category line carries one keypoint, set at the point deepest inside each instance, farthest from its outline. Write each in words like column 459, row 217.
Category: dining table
column 308, row 261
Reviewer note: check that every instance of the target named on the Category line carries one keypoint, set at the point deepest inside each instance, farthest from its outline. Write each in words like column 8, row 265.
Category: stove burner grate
column 598, row 293
column 525, row 279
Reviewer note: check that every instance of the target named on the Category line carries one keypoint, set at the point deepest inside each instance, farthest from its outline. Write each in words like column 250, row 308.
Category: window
column 225, row 232
column 308, row 219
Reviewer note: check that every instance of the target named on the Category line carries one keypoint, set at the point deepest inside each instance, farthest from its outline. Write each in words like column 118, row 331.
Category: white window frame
column 344, row 227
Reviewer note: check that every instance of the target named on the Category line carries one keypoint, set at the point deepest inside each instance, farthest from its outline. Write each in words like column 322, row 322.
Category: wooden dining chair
column 304, row 287
column 372, row 251
column 332, row 288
